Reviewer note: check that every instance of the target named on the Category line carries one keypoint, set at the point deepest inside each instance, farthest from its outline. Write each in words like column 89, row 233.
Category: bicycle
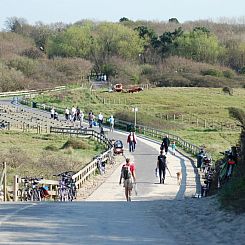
column 67, row 190
column 101, row 165
column 31, row 191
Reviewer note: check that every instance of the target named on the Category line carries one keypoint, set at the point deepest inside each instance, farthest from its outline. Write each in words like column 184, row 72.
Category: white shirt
column 100, row 116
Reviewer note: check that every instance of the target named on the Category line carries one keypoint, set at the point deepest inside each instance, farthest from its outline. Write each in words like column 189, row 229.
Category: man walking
column 131, row 140
column 165, row 144
column 100, row 119
column 161, row 165
column 128, row 175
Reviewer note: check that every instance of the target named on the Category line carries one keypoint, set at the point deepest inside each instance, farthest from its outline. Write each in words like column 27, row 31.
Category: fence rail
column 28, row 92
column 86, row 172
column 158, row 134
column 3, row 182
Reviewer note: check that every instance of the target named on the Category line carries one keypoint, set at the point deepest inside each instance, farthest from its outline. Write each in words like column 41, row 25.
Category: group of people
column 128, row 169
column 75, row 114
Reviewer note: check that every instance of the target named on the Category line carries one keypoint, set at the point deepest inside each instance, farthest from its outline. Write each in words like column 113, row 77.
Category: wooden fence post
column 5, row 181
column 16, row 188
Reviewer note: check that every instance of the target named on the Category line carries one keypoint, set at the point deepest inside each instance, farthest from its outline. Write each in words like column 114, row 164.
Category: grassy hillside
column 35, row 155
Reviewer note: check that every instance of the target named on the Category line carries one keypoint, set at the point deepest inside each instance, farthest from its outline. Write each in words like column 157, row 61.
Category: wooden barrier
column 3, row 182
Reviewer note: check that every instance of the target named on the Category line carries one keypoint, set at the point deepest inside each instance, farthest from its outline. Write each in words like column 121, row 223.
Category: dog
column 179, row 177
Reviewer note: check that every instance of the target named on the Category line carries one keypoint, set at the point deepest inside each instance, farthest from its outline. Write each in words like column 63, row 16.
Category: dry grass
column 29, row 154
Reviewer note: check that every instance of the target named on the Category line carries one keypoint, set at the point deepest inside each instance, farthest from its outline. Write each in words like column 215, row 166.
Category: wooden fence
column 30, row 92
column 85, row 173
column 3, row 182
column 199, row 122
column 158, row 134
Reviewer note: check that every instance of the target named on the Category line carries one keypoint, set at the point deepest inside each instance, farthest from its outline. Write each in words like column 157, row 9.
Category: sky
column 70, row 11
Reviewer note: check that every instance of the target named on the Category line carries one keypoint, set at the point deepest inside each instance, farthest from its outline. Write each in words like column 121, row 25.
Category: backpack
column 162, row 161
column 126, row 173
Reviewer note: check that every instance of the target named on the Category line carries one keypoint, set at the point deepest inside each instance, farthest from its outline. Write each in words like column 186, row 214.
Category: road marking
column 9, row 216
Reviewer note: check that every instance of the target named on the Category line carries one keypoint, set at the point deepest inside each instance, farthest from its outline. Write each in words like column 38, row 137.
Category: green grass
column 33, row 155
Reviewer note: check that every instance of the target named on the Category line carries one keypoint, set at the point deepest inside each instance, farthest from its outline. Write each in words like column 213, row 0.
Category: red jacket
column 134, row 138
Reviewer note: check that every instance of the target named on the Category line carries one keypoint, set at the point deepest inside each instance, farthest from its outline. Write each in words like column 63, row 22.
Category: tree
column 109, row 39
column 199, row 46
column 14, row 24
column 75, row 41
column 123, row 19
column 167, row 42
column 173, row 20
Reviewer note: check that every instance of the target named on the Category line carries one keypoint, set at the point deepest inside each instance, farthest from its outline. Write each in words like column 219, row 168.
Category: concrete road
column 105, row 217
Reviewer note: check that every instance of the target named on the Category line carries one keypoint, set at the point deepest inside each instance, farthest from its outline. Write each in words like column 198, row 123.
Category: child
column 173, row 147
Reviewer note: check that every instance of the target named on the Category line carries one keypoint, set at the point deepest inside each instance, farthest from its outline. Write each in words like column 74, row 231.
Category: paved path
column 105, row 217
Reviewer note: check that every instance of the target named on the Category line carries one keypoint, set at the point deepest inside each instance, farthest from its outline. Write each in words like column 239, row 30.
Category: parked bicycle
column 100, row 165
column 227, row 164
column 67, row 190
column 208, row 172
column 31, row 190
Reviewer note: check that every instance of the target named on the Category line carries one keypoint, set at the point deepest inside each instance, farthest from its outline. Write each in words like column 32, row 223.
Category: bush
column 16, row 157
column 25, row 65
column 228, row 73
column 75, row 144
column 212, row 72
column 51, row 148
column 228, row 90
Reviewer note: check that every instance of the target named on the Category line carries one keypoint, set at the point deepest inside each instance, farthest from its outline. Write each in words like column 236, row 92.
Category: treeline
column 171, row 54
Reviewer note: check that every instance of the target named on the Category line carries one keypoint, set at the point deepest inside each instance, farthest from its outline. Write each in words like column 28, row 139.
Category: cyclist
column 128, row 174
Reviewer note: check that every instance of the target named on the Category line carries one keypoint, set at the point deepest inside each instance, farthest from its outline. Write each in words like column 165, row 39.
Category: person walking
column 129, row 177
column 173, row 146
column 100, row 119
column 73, row 113
column 67, row 114
column 131, row 140
column 81, row 119
column 161, row 166
column 111, row 121
column 90, row 119
column 165, row 144
column 52, row 112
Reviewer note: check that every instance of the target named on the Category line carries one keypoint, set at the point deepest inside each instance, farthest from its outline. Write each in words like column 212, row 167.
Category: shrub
column 32, row 53
column 75, row 144
column 228, row 73
column 228, row 90
column 212, row 72
column 51, row 148
column 15, row 157
column 25, row 65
